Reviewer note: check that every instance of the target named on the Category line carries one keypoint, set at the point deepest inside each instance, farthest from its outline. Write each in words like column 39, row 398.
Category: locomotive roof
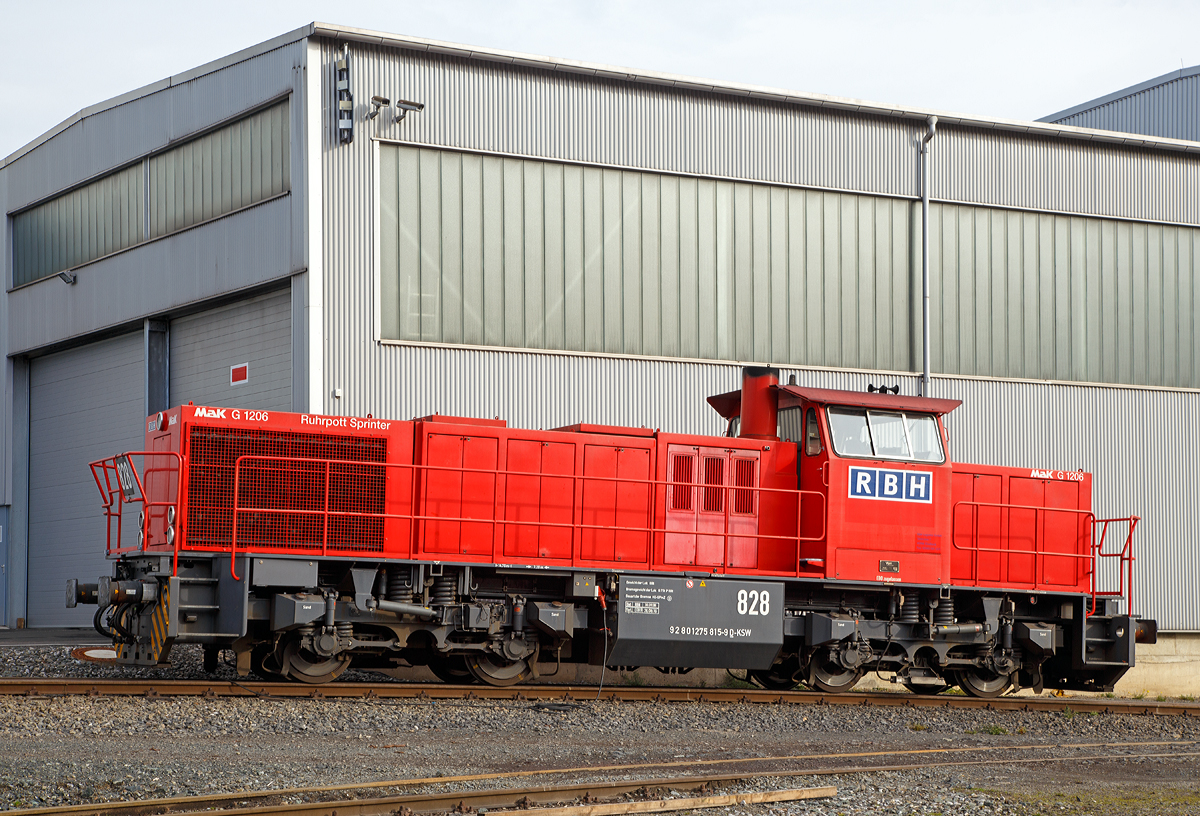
column 729, row 404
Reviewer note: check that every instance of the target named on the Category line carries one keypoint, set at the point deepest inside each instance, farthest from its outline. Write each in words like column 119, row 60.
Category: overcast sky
column 1017, row 60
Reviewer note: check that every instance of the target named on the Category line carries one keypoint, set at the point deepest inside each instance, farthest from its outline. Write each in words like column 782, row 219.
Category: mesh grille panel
column 290, row 497
column 681, row 474
column 714, row 478
column 743, row 477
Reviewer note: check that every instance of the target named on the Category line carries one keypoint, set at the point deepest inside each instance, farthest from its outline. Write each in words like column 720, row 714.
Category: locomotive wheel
column 981, row 683
column 495, row 671
column 826, row 674
column 452, row 669
column 298, row 664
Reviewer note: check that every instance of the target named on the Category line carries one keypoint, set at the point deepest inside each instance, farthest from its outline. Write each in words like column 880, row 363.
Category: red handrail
column 114, row 499
column 494, row 521
column 1094, row 554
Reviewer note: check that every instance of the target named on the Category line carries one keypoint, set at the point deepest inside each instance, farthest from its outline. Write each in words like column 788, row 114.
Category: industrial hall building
column 348, row 222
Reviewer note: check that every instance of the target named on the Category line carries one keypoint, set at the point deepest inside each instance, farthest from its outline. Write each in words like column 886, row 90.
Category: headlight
column 171, row 514
column 170, row 535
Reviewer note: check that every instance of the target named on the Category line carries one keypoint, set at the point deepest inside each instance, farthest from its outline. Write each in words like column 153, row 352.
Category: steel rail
column 522, row 798
column 565, row 693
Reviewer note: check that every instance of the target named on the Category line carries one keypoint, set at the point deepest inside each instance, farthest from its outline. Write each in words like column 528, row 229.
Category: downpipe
column 923, row 385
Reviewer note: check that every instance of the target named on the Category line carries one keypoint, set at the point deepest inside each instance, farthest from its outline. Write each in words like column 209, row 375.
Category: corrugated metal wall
column 205, row 345
column 85, row 403
column 481, row 250
column 222, row 171
column 1169, row 107
column 87, row 223
column 1006, row 286
column 1039, row 296
column 480, row 105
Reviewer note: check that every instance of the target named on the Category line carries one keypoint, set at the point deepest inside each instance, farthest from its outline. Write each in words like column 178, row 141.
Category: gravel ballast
column 75, row 750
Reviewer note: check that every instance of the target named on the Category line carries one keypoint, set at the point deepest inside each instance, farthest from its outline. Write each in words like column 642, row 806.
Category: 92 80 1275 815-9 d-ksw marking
column 828, row 533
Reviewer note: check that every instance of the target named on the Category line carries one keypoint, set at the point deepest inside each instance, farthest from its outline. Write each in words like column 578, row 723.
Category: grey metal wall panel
column 230, row 168
column 521, row 110
column 246, row 249
column 1037, row 296
column 84, row 404
column 113, row 137
column 625, row 232
column 82, row 225
column 1167, row 106
column 205, row 345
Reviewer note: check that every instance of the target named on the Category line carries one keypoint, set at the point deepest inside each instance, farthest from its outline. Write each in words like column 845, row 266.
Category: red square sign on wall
column 239, row 373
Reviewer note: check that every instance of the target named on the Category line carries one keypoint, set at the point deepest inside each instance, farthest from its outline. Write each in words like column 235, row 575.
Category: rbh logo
column 211, row 413
column 891, row 485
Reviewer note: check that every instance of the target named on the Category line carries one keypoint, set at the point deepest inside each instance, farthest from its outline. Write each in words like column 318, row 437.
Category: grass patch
column 634, row 679
column 995, row 730
column 1068, row 713
column 1162, row 698
column 1141, row 696
column 956, row 691
column 918, row 727
column 1187, row 698
column 1021, row 730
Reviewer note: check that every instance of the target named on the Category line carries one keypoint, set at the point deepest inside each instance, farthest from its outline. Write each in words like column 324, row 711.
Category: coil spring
column 345, row 629
column 911, row 611
column 530, row 634
column 399, row 589
column 943, row 613
column 443, row 590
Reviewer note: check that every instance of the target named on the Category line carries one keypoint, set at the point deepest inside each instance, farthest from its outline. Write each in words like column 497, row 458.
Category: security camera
column 405, row 106
column 378, row 103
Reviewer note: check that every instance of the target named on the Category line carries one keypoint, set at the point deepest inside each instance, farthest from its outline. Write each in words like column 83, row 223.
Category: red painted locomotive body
column 419, row 527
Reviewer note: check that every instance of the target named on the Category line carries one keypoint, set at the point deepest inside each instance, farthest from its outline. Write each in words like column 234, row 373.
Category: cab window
column 858, row 432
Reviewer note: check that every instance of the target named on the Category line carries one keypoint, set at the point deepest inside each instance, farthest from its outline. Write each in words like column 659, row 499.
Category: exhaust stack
column 760, row 403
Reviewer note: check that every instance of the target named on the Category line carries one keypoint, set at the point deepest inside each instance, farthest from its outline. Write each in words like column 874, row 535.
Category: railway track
column 575, row 694
column 588, row 797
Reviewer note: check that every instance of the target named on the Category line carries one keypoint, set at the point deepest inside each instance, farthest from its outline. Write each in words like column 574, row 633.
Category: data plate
column 714, row 623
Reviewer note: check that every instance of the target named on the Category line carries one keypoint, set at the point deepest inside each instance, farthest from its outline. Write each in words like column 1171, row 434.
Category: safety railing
column 656, row 495
column 1095, row 546
column 119, row 483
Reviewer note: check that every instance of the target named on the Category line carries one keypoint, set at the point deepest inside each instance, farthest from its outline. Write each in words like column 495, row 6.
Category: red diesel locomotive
column 828, row 534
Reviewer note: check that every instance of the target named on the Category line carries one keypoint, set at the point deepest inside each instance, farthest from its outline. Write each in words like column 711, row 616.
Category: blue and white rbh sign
column 891, row 485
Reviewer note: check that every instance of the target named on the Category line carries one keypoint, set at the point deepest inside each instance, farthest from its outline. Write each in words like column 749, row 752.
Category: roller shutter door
column 85, row 404
column 206, row 345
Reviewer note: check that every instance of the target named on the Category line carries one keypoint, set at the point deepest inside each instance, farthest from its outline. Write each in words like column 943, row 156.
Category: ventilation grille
column 743, row 477
column 683, row 472
column 714, row 481
column 285, row 488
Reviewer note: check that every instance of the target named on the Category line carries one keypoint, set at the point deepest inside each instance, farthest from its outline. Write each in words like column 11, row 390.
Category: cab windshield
column 862, row 433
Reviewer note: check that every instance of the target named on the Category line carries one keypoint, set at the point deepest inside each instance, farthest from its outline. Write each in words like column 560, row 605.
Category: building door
column 85, row 404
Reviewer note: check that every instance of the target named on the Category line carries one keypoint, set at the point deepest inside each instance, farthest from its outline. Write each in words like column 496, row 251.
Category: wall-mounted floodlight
column 67, row 277
column 378, row 103
column 405, row 106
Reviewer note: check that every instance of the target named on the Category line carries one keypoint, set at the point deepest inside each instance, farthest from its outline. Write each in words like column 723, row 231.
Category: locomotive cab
column 875, row 479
